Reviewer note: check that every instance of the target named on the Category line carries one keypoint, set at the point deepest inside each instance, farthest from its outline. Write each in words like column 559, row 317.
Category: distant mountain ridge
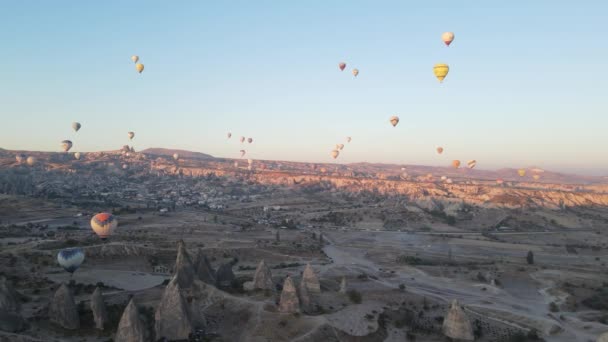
column 157, row 151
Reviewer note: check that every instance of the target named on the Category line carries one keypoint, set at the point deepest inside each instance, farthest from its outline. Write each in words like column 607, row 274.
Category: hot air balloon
column 471, row 164
column 243, row 153
column 340, row 146
column 447, row 38
column 175, row 156
column 229, row 135
column 70, row 259
column 249, row 161
column 236, row 164
column 76, row 126
column 335, row 154
column 131, row 135
column 394, row 120
column 443, row 178
column 348, row 139
column 521, row 172
column 77, row 155
column 66, row 145
column 135, row 59
column 439, row 150
column 441, row 71
column 355, row 72
column 250, row 140
column 104, row 224
column 342, row 65
column 31, row 161
column 242, row 139
column 449, row 181
column 536, row 177
column 20, row 158
column 456, row 163
column 139, row 67
column 499, row 181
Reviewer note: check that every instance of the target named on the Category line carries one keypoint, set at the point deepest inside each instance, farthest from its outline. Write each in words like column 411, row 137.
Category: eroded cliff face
column 553, row 196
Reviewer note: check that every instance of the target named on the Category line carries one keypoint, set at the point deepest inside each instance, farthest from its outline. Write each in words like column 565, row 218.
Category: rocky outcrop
column 304, row 297
column 224, row 276
column 603, row 337
column 9, row 298
column 184, row 268
column 289, row 302
column 172, row 318
column 130, row 328
column 100, row 314
column 262, row 279
column 309, row 278
column 62, row 309
column 343, row 287
column 203, row 268
column 456, row 324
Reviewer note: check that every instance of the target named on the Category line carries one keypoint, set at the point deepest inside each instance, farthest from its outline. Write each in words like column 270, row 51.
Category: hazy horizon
column 523, row 88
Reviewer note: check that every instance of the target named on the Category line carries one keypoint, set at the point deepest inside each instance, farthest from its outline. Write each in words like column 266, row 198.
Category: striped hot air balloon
column 104, row 224
column 441, row 71
column 70, row 258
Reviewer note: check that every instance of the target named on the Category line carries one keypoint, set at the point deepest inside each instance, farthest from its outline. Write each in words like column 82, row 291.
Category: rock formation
column 456, row 324
column 9, row 298
column 184, row 269
column 603, row 337
column 172, row 318
column 130, row 328
column 262, row 278
column 100, row 315
column 304, row 296
column 289, row 302
column 62, row 309
column 310, row 279
column 343, row 287
column 203, row 268
column 224, row 276
column 11, row 322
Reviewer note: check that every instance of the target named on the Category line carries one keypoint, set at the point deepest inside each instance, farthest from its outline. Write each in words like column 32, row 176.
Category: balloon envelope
column 135, row 59
column 439, row 150
column 70, row 258
column 76, row 126
column 104, row 224
column 250, row 140
column 175, row 156
column 348, row 139
column 394, row 120
column 335, row 154
column 355, row 72
column 229, row 135
column 20, row 158
column 471, row 164
column 77, row 155
column 456, row 163
column 66, row 145
column 441, row 71
column 447, row 38
column 131, row 135
column 521, row 172
column 139, row 67
column 342, row 66
column 31, row 161
column 242, row 139
column 243, row 152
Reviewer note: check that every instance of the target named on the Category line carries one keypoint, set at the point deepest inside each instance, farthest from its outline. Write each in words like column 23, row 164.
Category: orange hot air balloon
column 104, row 224
column 342, row 66
column 439, row 150
column 456, row 163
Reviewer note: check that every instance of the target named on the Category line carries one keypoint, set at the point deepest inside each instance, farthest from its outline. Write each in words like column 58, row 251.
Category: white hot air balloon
column 70, row 259
column 135, row 58
column 77, row 155
column 335, row 154
column 176, row 156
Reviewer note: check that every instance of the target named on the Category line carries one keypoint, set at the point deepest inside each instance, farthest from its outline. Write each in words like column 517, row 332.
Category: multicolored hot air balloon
column 335, row 154
column 139, row 67
column 250, row 140
column 471, row 164
column 394, row 120
column 242, row 153
column 135, row 58
column 20, row 158
column 348, row 139
column 77, row 155
column 441, row 71
column 76, row 126
column 176, row 156
column 131, row 135
column 104, row 224
column 66, row 145
column 355, row 72
column 31, row 161
column 456, row 163
column 439, row 150
column 342, row 66
column 521, row 172
column 70, row 259
column 448, row 38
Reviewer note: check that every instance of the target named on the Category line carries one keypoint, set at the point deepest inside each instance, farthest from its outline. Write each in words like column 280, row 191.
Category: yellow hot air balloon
column 355, row 72
column 139, row 67
column 31, row 161
column 456, row 163
column 536, row 177
column 335, row 154
column 104, row 224
column 135, row 58
column 394, row 120
column 447, row 38
column 441, row 71
column 521, row 172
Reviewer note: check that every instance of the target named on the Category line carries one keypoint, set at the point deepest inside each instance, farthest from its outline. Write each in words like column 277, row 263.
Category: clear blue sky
column 526, row 84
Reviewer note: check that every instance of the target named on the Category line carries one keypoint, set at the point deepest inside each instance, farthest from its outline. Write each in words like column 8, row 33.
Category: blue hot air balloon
column 70, row 258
